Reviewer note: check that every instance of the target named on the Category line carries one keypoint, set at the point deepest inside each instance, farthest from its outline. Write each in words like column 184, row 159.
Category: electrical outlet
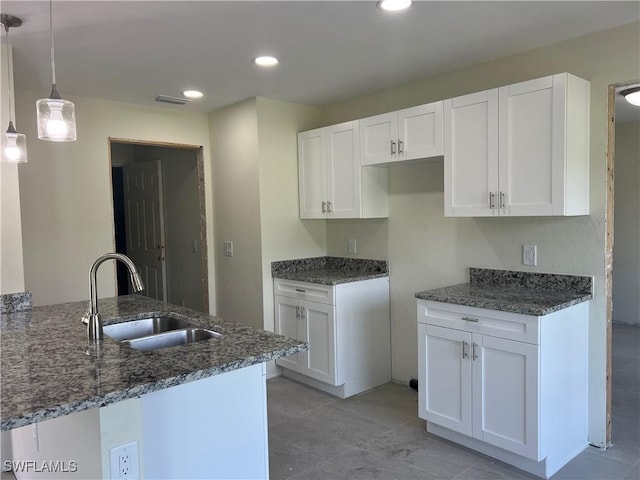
column 530, row 255
column 352, row 246
column 228, row 248
column 123, row 461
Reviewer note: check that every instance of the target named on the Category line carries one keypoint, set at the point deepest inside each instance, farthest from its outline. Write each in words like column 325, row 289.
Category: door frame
column 201, row 201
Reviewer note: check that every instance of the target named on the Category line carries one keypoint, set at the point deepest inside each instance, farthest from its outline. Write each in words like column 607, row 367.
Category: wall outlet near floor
column 530, row 255
column 228, row 248
column 123, row 462
column 352, row 246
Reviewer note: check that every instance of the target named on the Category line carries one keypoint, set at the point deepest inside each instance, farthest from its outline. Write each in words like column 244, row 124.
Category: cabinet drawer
column 312, row 292
column 512, row 326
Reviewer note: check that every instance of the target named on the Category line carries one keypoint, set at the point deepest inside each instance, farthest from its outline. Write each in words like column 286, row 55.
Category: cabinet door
column 420, row 132
column 505, row 398
column 445, row 377
column 379, row 139
column 312, row 173
column 288, row 323
column 319, row 328
column 343, row 171
column 531, row 153
column 471, row 155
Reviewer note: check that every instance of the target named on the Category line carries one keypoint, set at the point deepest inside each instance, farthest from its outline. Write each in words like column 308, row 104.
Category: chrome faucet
column 92, row 318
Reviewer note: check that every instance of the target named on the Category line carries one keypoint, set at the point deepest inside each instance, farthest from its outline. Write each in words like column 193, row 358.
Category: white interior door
column 144, row 223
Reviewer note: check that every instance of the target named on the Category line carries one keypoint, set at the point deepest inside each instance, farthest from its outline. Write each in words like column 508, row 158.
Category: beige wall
column 234, row 140
column 11, row 262
column 626, row 250
column 65, row 191
column 284, row 235
column 427, row 250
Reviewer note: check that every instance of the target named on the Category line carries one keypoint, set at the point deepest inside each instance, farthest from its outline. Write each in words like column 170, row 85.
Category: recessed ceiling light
column 266, row 61
column 192, row 93
column 394, row 5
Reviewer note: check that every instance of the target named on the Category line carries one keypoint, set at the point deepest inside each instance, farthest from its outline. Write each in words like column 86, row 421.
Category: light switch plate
column 352, row 246
column 228, row 248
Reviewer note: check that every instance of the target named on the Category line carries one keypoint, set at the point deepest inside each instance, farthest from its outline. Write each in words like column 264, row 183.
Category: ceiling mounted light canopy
column 14, row 144
column 56, row 116
column 632, row 95
column 394, row 5
column 266, row 61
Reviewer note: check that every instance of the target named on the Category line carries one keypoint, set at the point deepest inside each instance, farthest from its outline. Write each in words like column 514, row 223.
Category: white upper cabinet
column 408, row 134
column 519, row 150
column 331, row 182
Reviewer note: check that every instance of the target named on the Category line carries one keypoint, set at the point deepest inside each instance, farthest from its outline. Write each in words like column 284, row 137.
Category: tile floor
column 377, row 435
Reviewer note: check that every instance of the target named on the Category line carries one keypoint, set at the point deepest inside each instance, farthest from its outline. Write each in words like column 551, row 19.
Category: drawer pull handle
column 470, row 319
column 301, row 290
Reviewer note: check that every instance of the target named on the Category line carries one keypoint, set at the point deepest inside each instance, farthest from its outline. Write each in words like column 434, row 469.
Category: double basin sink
column 158, row 332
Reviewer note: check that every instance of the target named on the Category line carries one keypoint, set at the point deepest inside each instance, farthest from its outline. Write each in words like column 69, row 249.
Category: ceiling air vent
column 173, row 100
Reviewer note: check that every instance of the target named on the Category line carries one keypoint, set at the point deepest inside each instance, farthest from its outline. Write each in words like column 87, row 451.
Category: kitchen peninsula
column 203, row 403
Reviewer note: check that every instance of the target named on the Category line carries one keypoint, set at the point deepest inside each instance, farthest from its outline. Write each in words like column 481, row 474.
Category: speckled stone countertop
column 330, row 270
column 49, row 369
column 513, row 291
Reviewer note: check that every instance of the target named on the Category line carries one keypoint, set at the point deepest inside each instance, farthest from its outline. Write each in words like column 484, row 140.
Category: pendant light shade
column 56, row 116
column 13, row 145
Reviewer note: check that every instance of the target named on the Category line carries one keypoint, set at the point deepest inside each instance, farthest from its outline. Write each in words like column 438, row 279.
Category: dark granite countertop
column 330, row 270
column 49, row 369
column 517, row 292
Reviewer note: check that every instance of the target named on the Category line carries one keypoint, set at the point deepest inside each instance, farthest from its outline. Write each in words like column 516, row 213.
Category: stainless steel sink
column 172, row 339
column 143, row 327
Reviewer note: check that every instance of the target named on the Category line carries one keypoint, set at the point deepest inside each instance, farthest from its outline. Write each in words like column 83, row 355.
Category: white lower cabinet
column 511, row 386
column 347, row 328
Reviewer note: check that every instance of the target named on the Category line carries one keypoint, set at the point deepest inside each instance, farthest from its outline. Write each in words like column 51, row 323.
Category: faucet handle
column 85, row 318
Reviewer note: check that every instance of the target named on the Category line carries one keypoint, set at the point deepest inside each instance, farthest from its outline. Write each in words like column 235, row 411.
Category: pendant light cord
column 53, row 57
column 6, row 30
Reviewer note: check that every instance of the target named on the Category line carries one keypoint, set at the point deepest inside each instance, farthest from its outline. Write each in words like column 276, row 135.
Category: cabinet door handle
column 470, row 319
column 329, row 207
column 492, row 197
column 303, row 313
column 393, row 147
column 400, row 146
column 475, row 351
column 324, row 207
column 502, row 202
column 464, row 349
column 297, row 312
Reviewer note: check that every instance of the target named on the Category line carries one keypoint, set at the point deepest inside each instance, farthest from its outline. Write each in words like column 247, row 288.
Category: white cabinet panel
column 409, row 134
column 330, row 181
column 471, row 154
column 520, row 150
column 517, row 393
column 347, row 327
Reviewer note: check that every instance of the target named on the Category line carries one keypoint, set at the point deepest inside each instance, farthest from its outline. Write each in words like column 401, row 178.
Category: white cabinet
column 511, row 386
column 519, row 150
column 347, row 328
column 408, row 134
column 331, row 182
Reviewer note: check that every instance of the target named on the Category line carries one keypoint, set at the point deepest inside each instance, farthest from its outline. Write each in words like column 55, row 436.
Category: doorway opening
column 159, row 219
column 622, row 267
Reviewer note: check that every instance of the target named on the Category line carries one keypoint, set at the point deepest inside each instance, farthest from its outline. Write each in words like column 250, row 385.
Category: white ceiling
column 329, row 50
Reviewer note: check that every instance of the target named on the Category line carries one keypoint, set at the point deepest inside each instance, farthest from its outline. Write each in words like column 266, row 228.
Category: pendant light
column 56, row 116
column 14, row 144
column 632, row 95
